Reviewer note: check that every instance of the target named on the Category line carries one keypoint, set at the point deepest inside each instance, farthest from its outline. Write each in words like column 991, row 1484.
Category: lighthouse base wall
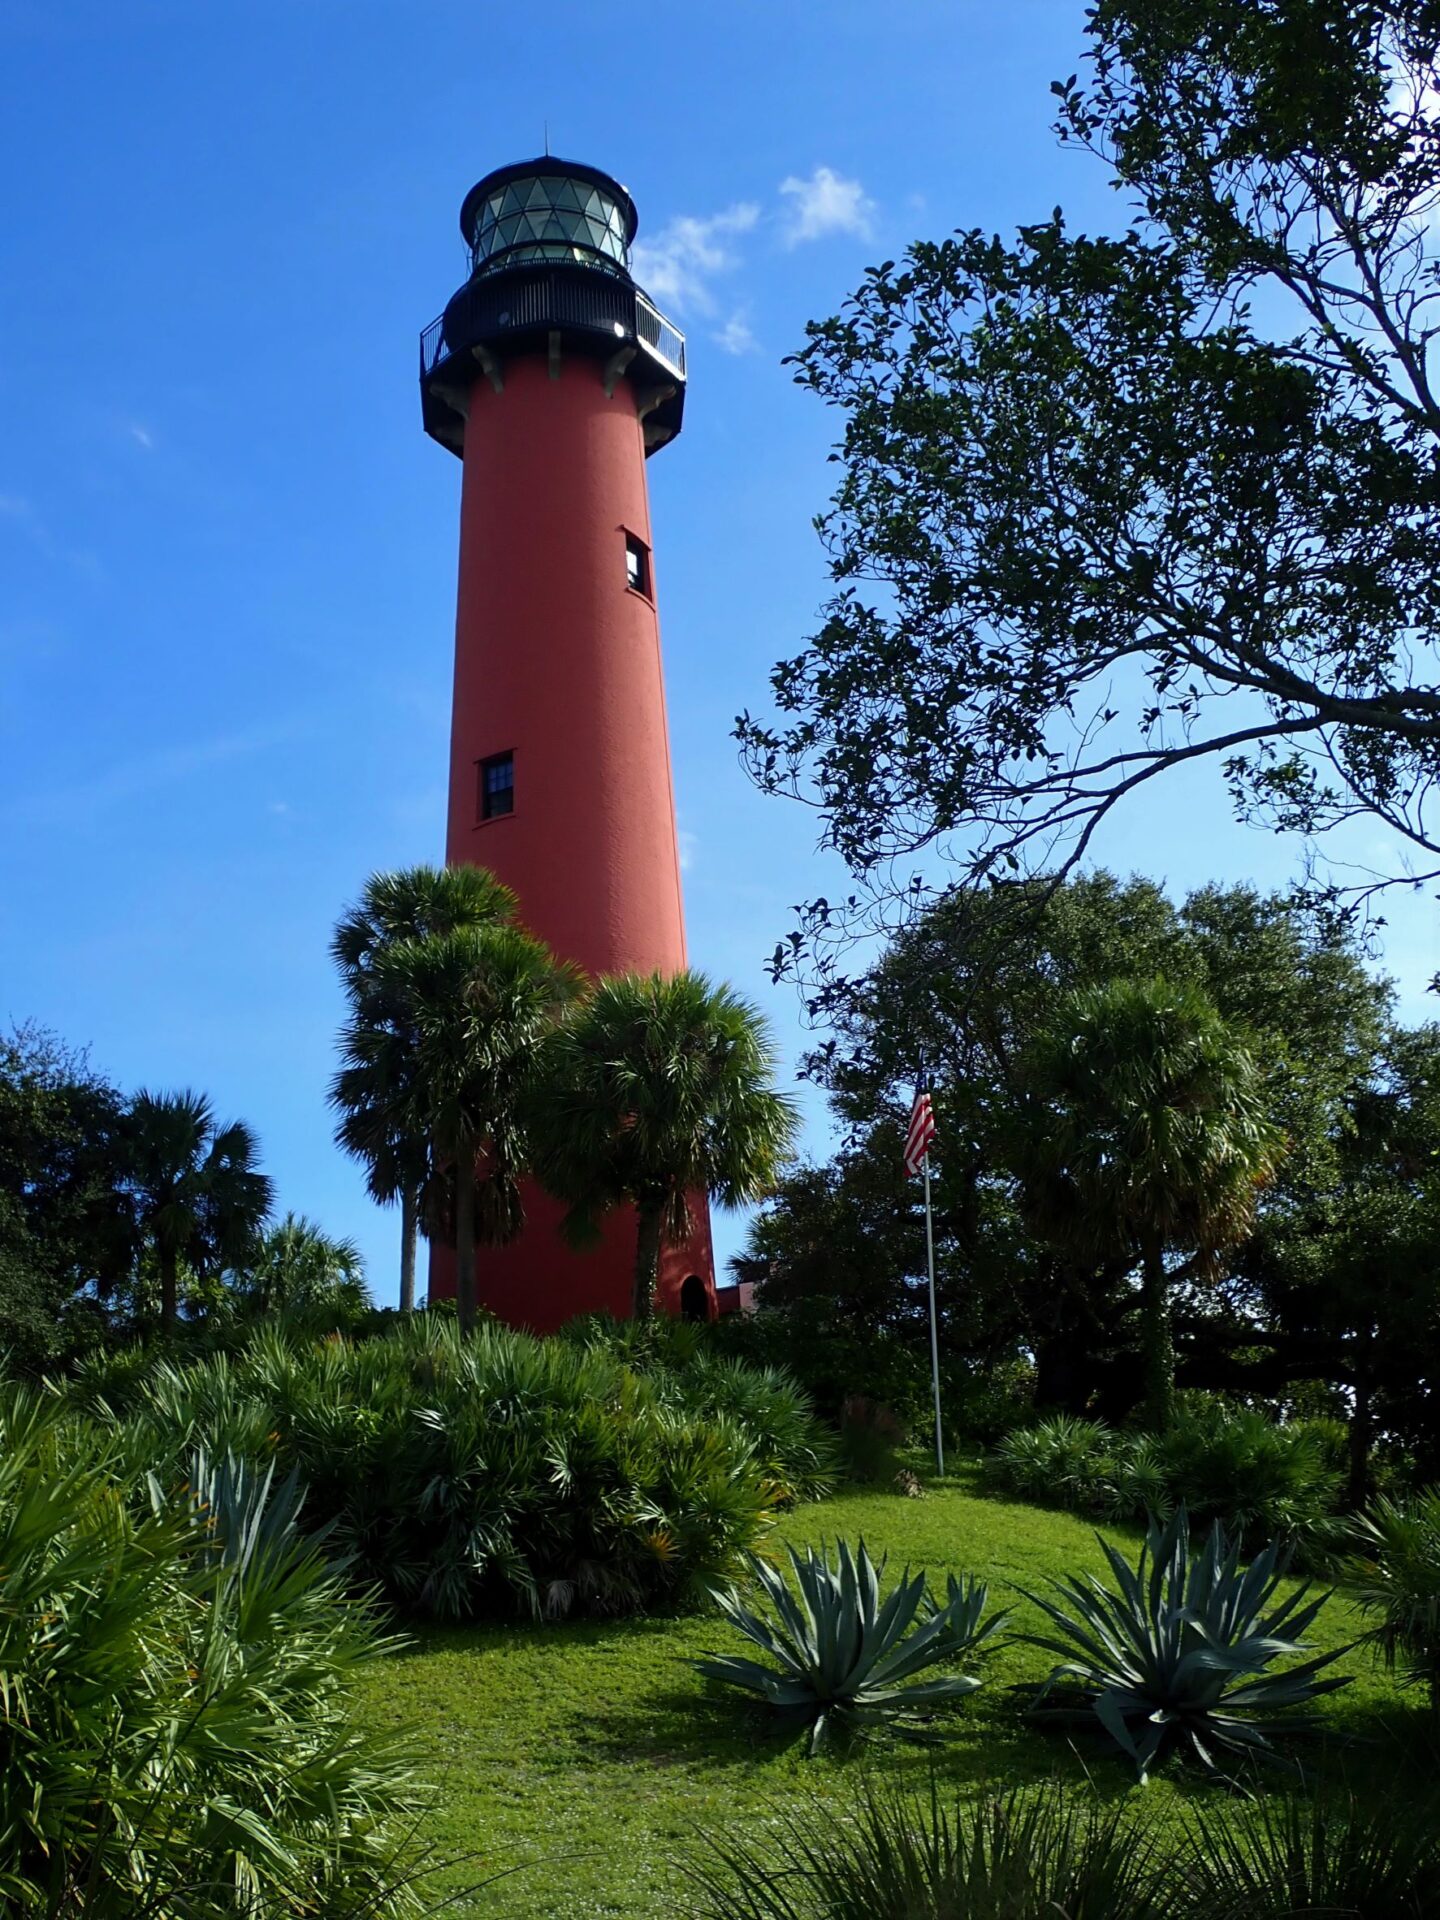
column 540, row 1281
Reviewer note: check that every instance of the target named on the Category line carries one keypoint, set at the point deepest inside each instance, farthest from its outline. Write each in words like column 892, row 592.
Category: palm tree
column 652, row 1089
column 370, row 1091
column 470, row 1009
column 1145, row 1132
column 199, row 1196
column 297, row 1265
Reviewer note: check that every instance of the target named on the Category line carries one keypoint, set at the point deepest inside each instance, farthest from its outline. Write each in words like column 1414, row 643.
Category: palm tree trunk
column 1362, row 1425
column 647, row 1262
column 169, row 1286
column 1156, row 1338
column 409, row 1220
column 465, row 1240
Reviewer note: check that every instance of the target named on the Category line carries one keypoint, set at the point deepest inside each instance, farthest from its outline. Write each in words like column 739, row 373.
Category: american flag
column 920, row 1133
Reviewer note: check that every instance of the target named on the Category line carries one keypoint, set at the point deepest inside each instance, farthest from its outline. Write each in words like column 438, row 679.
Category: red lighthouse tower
column 554, row 377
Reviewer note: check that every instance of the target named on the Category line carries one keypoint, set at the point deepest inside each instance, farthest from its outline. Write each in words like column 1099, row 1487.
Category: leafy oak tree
column 1110, row 504
column 67, row 1219
column 969, row 985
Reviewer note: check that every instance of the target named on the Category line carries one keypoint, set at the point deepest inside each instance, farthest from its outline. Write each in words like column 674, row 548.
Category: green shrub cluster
column 1397, row 1576
column 1221, row 1462
column 176, row 1668
column 1035, row 1856
column 476, row 1477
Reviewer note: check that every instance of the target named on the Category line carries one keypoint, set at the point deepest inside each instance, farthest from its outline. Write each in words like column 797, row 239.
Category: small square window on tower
column 637, row 565
column 497, row 786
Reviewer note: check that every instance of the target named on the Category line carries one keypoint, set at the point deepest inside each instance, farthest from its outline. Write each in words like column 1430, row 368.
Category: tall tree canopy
column 199, row 1194
column 67, row 1222
column 1144, row 1132
column 969, row 985
column 372, row 1092
column 467, row 1012
column 1111, row 504
column 655, row 1088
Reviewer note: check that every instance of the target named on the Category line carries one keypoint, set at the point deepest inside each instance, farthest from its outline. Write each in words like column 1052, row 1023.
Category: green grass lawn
column 592, row 1757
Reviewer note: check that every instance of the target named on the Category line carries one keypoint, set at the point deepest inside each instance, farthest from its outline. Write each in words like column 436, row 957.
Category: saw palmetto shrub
column 1396, row 1576
column 177, row 1662
column 498, row 1473
column 688, row 1373
column 1219, row 1461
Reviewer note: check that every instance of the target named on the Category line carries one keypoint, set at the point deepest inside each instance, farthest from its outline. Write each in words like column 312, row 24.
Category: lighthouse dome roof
column 549, row 209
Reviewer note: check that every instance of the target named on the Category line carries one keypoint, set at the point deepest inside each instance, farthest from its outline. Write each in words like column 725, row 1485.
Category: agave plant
column 843, row 1655
column 1398, row 1586
column 1016, row 1857
column 1175, row 1657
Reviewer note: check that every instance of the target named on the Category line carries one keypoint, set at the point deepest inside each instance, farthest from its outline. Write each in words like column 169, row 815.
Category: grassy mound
column 592, row 1756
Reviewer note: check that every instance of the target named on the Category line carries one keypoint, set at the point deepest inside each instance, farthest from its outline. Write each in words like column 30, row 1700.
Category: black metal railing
column 486, row 311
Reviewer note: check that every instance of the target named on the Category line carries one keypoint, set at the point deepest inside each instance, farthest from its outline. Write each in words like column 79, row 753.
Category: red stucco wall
column 558, row 661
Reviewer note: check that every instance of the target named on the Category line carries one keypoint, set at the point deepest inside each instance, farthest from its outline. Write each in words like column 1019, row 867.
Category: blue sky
column 227, row 551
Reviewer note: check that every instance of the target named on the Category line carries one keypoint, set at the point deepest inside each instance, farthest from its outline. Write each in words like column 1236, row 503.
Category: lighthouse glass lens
column 550, row 217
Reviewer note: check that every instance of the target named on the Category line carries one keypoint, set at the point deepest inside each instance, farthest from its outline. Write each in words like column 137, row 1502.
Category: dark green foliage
column 653, row 1089
column 496, row 1474
column 1260, row 1476
column 300, row 1270
column 200, row 1198
column 1061, row 1461
column 843, row 1657
column 1143, row 1134
column 1397, row 1580
column 176, row 1731
column 1008, row 1858
column 1332, row 1857
column 373, row 1093
column 682, row 1366
column 1239, row 1466
column 871, row 1437
column 67, row 1227
column 970, row 983
column 451, row 1060
column 1175, row 1657
column 1044, row 1855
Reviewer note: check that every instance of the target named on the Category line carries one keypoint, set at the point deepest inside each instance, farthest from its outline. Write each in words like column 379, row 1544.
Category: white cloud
column 825, row 203
column 735, row 336
column 679, row 264
column 688, row 846
column 142, row 436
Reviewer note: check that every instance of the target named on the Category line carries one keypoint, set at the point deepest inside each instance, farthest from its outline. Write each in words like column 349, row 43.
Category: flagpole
column 934, row 1335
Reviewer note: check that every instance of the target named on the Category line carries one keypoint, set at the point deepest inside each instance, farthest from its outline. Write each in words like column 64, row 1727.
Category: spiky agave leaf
column 1176, row 1655
column 841, row 1652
